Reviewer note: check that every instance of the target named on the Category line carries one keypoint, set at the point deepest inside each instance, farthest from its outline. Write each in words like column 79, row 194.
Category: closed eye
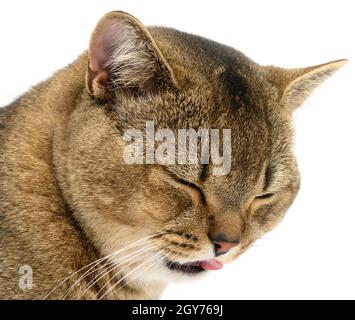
column 265, row 196
column 190, row 185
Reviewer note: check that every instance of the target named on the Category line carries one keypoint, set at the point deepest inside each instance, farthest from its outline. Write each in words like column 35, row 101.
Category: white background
column 311, row 254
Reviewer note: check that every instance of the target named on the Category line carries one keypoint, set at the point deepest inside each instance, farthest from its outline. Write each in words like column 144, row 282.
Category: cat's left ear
column 295, row 85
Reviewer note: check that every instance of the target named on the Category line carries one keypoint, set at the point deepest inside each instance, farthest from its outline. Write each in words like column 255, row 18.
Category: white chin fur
column 160, row 272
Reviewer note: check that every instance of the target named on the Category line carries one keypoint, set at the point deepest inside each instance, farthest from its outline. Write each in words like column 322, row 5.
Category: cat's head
column 181, row 219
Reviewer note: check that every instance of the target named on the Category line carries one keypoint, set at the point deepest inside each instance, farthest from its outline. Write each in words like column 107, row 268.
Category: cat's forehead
column 218, row 75
column 195, row 59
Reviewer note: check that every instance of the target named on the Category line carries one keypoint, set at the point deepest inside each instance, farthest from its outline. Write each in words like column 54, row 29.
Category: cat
column 77, row 222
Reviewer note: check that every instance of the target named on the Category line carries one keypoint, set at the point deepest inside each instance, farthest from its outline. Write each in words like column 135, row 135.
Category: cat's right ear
column 123, row 56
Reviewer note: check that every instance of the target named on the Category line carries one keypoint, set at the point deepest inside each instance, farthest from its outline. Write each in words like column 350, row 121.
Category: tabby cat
column 78, row 222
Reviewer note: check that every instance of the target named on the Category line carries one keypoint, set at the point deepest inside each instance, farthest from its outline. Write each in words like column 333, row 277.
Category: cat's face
column 195, row 212
column 175, row 220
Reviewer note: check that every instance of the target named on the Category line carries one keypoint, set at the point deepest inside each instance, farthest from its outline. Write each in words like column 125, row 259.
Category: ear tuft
column 123, row 55
column 295, row 85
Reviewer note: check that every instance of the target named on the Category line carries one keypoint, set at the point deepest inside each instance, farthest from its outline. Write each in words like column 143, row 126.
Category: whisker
column 121, row 260
column 95, row 268
column 155, row 261
column 115, row 275
column 157, row 255
column 96, row 262
column 109, row 260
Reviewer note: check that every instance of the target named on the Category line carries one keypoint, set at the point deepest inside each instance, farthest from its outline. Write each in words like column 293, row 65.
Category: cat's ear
column 123, row 55
column 295, row 85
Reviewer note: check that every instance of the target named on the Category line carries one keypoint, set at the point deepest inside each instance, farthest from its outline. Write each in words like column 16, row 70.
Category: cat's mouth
column 195, row 266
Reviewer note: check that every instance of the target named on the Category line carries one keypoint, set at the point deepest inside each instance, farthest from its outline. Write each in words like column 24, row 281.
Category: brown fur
column 67, row 197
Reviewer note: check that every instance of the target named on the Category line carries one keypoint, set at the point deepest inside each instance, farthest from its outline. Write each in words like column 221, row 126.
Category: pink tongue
column 211, row 264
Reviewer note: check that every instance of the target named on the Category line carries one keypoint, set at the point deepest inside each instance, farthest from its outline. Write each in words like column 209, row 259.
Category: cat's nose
column 222, row 246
